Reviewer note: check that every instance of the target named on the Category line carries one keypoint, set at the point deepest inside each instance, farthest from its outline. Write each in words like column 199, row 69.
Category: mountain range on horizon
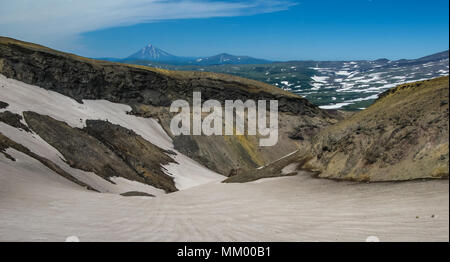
column 154, row 54
column 348, row 85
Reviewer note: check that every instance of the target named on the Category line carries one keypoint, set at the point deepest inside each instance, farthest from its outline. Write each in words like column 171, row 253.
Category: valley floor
column 39, row 207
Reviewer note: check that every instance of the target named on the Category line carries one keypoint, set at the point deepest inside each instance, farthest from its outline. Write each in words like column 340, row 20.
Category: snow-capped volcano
column 153, row 53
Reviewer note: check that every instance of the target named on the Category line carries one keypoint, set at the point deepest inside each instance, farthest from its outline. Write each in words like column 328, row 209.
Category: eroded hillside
column 113, row 120
column 404, row 135
column 150, row 91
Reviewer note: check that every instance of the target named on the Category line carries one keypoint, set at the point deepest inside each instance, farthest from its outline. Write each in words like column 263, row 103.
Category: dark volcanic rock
column 303, row 132
column 3, row 105
column 81, row 150
column 189, row 146
column 5, row 143
column 144, row 157
column 137, row 193
column 107, row 150
column 13, row 120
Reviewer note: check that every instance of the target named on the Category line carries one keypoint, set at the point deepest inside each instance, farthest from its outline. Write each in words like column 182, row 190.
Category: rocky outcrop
column 80, row 150
column 404, row 135
column 144, row 157
column 285, row 166
column 3, row 105
column 118, row 151
column 6, row 143
column 136, row 193
column 13, row 120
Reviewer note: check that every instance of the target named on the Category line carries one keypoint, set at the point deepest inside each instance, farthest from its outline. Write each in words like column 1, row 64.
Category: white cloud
column 55, row 22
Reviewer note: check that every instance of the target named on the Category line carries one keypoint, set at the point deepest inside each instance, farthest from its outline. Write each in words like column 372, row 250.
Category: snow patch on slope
column 38, row 146
column 24, row 97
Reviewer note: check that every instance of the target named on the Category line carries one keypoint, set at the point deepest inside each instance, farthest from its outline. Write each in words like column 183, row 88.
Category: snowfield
column 320, row 79
column 39, row 206
column 334, row 106
column 356, row 83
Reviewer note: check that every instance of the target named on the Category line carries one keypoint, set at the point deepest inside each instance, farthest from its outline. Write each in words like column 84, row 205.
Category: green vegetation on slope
column 404, row 135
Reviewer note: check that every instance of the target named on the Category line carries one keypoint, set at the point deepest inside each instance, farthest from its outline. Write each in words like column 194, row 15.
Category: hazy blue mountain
column 153, row 53
column 227, row 59
column 430, row 58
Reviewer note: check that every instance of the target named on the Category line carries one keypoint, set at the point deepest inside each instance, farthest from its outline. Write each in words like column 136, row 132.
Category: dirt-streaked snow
column 39, row 206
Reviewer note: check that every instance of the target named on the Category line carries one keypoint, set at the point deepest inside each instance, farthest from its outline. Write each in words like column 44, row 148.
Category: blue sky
column 271, row 29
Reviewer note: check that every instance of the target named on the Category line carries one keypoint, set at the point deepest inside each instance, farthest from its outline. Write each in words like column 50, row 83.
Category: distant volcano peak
column 153, row 53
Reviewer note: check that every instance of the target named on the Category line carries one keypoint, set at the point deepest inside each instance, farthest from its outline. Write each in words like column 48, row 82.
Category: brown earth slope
column 404, row 135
